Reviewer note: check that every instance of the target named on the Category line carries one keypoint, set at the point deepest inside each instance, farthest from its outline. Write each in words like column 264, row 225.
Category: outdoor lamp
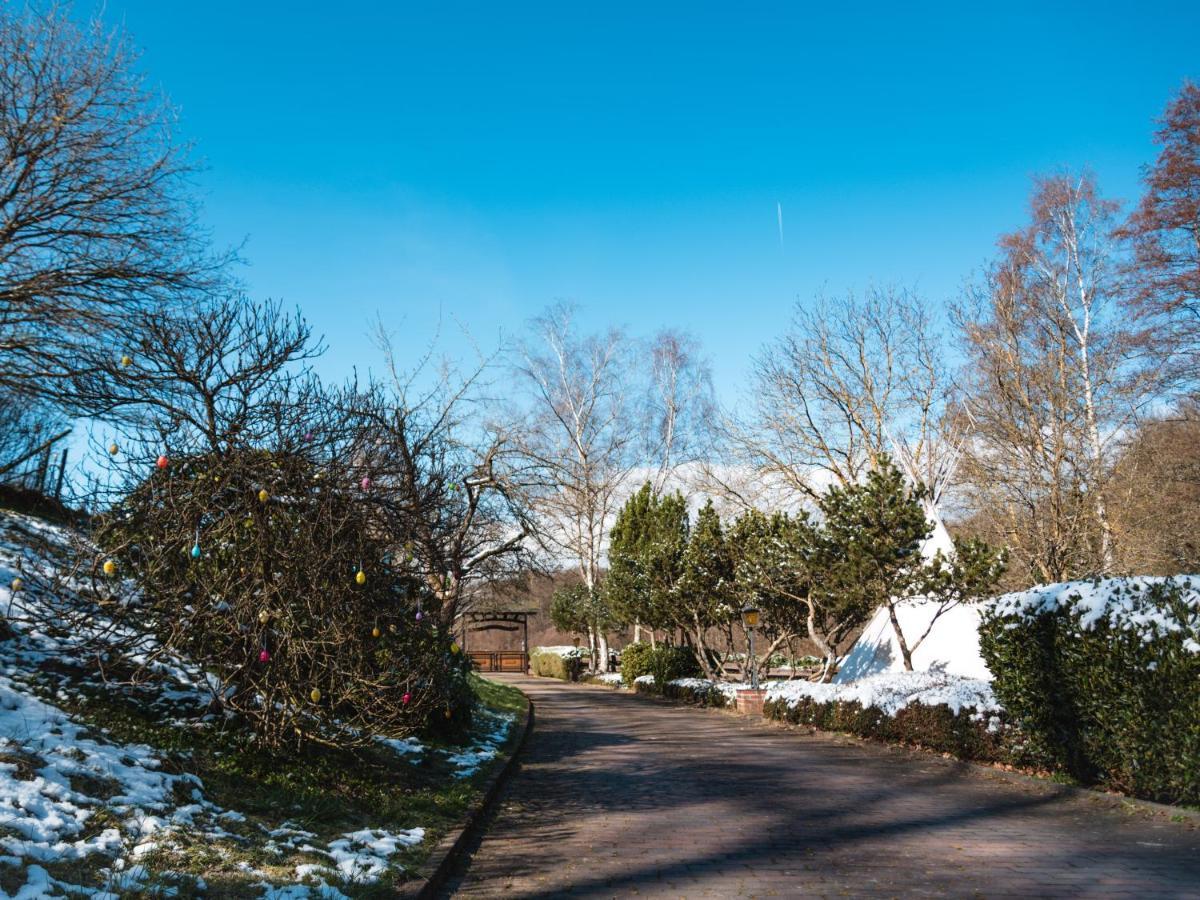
column 750, row 619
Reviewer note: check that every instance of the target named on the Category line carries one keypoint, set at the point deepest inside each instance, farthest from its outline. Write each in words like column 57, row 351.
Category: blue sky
column 479, row 161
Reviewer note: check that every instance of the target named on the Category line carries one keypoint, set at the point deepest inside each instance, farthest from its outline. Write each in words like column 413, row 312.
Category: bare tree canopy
column 94, row 220
column 830, row 393
column 1165, row 228
column 680, row 405
column 1050, row 383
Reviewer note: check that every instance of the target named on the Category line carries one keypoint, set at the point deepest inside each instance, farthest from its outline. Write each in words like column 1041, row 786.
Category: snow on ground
column 69, row 793
column 485, row 748
column 952, row 646
column 608, row 678
column 892, row 691
column 727, row 689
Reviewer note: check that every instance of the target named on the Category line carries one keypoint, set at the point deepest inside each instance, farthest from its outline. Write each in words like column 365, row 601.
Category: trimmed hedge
column 1112, row 697
column 965, row 734
column 555, row 665
column 665, row 663
column 635, row 661
column 696, row 695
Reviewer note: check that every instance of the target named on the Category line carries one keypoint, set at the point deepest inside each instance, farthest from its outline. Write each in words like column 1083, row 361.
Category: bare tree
column 580, row 436
column 1165, row 229
column 827, row 394
column 448, row 480
column 93, row 217
column 208, row 372
column 680, row 405
column 27, row 428
column 1050, row 383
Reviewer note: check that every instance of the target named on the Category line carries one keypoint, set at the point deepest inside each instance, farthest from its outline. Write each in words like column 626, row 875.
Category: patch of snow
column 485, row 747
column 893, row 691
column 566, row 652
column 608, row 678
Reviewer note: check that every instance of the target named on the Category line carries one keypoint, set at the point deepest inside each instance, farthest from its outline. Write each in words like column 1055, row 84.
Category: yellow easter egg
column 17, row 584
column 361, row 577
column 375, row 632
column 264, row 617
column 454, row 648
column 315, row 695
column 126, row 361
column 263, row 496
column 114, row 449
column 110, row 567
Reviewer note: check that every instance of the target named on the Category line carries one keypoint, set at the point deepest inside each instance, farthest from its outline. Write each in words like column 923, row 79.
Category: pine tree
column 704, row 595
column 646, row 547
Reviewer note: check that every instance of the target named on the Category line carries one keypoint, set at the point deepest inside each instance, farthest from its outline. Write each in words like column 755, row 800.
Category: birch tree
column 580, row 437
column 1052, row 381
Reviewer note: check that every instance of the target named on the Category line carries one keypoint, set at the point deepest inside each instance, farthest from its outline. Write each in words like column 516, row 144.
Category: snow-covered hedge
column 565, row 663
column 563, row 650
column 1104, row 678
column 698, row 691
column 890, row 692
column 935, row 710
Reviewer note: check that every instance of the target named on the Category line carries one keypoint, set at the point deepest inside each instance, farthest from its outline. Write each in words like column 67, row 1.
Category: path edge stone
column 432, row 874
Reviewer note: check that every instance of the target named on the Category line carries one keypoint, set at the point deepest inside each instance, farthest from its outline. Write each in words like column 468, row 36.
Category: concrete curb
column 436, row 869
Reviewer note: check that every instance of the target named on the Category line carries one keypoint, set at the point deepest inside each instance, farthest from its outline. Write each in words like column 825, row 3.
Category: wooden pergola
column 497, row 660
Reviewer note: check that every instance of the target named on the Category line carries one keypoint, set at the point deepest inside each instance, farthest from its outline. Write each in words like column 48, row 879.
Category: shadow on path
column 617, row 796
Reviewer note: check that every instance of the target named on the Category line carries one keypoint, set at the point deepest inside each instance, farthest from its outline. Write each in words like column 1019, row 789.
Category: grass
column 324, row 791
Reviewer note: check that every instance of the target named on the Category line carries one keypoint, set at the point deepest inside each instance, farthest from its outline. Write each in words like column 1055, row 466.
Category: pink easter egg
column 405, row 699
column 264, row 656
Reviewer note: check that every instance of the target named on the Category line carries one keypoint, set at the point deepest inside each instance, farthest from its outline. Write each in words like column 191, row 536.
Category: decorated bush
column 1104, row 679
column 274, row 573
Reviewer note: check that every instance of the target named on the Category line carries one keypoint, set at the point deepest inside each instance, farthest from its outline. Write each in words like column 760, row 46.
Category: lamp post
column 750, row 620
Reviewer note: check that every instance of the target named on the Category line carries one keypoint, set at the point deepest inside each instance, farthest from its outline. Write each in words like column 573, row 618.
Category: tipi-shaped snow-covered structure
column 953, row 643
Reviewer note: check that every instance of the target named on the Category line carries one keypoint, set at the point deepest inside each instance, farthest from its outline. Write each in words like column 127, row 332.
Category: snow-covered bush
column 1104, row 678
column 932, row 709
column 565, row 663
column 701, row 692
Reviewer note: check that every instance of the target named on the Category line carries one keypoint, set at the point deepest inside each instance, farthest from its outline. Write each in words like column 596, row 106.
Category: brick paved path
column 620, row 796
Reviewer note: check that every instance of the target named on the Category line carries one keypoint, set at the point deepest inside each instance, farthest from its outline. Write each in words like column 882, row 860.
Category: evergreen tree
column 646, row 547
column 705, row 590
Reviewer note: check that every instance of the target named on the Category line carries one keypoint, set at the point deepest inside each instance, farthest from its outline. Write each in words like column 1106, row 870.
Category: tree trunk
column 905, row 652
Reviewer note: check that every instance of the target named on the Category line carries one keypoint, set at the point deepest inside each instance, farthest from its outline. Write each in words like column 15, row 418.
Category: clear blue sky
column 487, row 159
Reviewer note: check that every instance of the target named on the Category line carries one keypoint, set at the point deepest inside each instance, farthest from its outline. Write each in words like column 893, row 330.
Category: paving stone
column 621, row 797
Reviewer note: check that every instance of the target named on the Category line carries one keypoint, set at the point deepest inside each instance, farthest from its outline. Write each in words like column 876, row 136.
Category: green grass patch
column 324, row 791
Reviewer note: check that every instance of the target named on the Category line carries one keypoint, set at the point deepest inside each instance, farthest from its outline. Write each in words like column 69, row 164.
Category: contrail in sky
column 779, row 213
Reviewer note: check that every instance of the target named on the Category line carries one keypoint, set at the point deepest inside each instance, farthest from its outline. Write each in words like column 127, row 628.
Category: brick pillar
column 750, row 702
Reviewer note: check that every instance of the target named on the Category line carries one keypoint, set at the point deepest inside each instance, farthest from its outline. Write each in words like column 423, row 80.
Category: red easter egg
column 163, row 462
column 405, row 699
column 264, row 656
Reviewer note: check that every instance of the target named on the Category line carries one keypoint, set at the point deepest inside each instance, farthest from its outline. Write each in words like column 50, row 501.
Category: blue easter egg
column 195, row 551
